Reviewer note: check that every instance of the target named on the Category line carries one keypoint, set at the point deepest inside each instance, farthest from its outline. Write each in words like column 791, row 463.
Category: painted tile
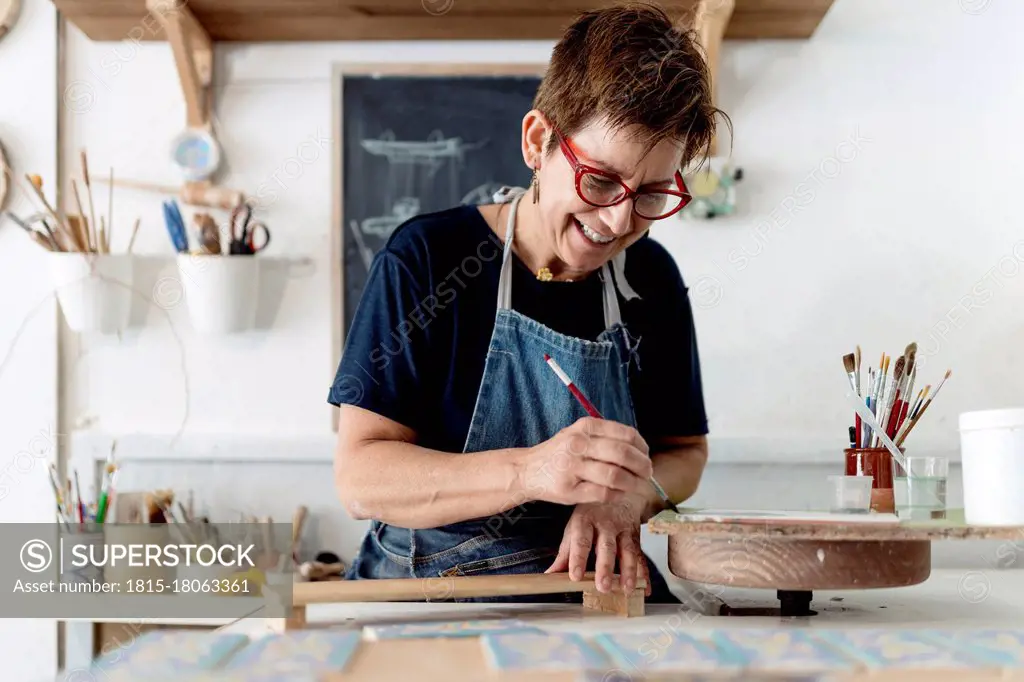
column 468, row 628
column 783, row 651
column 298, row 652
column 998, row 647
column 671, row 676
column 543, row 651
column 172, row 650
column 664, row 651
column 901, row 649
column 212, row 676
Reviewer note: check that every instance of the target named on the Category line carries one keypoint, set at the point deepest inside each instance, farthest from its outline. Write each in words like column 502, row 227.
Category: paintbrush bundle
column 76, row 232
column 890, row 398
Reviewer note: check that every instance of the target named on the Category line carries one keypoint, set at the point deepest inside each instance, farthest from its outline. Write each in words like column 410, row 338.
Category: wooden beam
column 193, row 55
column 327, row 20
column 711, row 22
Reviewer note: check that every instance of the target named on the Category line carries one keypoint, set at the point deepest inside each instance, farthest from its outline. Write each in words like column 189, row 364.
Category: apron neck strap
column 612, row 313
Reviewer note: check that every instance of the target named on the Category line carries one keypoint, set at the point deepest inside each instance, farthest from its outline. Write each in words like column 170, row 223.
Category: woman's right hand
column 593, row 460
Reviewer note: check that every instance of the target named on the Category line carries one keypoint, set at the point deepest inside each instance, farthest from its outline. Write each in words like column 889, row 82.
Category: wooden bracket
column 711, row 21
column 193, row 55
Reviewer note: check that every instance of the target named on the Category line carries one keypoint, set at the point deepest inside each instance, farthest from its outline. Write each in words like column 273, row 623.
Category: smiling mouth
column 591, row 235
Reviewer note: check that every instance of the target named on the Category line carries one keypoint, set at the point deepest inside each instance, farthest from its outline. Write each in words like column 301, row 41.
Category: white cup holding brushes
column 221, row 292
column 94, row 290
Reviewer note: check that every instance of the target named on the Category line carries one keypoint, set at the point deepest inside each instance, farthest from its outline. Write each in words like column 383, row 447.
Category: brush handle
column 869, row 419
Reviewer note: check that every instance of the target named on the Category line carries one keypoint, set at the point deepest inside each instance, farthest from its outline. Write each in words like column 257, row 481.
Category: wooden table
column 947, row 599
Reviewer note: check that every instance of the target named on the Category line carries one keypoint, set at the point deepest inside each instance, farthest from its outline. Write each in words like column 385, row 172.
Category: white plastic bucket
column 220, row 291
column 94, row 290
column 992, row 458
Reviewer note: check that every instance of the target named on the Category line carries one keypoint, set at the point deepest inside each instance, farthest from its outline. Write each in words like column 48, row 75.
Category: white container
column 94, row 290
column 221, row 291
column 992, row 459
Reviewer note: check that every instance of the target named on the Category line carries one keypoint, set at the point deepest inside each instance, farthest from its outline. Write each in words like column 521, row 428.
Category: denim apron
column 521, row 403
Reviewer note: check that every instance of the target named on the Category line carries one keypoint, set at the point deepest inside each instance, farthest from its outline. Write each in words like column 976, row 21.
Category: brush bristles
column 897, row 373
column 892, row 399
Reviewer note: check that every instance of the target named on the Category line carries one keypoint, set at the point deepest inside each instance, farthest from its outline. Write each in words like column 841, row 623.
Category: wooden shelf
column 327, row 20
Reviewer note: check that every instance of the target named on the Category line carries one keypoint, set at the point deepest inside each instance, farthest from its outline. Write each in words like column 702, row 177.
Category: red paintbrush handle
column 903, row 415
column 897, row 409
column 587, row 405
column 894, row 412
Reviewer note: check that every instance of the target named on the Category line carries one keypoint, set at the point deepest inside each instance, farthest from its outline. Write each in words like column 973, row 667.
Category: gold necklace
column 544, row 275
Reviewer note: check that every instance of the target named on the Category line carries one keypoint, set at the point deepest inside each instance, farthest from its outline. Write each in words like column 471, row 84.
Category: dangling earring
column 536, row 186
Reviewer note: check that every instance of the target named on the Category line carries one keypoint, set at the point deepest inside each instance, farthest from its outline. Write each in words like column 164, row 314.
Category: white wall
column 29, row 432
column 900, row 227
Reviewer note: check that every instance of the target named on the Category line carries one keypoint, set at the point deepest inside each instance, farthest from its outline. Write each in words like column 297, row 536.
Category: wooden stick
column 77, row 224
column 426, row 589
column 88, row 189
column 135, row 231
column 90, row 243
column 110, row 205
column 103, row 248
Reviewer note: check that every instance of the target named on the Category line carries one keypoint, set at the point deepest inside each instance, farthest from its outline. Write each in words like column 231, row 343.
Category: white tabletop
column 948, row 599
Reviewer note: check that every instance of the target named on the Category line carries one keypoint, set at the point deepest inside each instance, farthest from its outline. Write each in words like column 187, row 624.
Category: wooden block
column 296, row 620
column 618, row 602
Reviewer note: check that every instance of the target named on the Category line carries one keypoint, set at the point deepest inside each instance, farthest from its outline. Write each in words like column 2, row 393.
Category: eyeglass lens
column 606, row 192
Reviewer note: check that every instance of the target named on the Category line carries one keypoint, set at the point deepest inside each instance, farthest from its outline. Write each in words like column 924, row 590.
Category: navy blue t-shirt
column 416, row 347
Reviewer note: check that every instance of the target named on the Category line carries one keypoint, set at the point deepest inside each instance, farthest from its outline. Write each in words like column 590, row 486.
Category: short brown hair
column 631, row 65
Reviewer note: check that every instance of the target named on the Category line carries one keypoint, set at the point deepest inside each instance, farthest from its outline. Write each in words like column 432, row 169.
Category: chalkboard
column 414, row 140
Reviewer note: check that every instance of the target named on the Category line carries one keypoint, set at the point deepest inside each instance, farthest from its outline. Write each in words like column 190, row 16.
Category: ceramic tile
column 543, row 651
column 668, row 651
column 298, row 652
column 254, row 675
column 172, row 650
column 469, row 628
column 782, row 651
column 902, row 649
column 998, row 647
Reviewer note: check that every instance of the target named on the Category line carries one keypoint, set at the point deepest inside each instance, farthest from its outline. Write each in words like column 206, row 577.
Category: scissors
column 243, row 232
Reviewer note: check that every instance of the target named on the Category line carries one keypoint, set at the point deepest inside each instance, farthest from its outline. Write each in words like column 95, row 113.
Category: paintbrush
column 850, row 365
column 883, row 387
column 593, row 412
column 36, row 183
column 35, row 235
column 906, row 390
column 913, row 422
column 894, row 391
column 869, row 420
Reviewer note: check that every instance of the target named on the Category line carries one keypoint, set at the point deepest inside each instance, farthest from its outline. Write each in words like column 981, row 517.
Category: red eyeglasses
column 601, row 189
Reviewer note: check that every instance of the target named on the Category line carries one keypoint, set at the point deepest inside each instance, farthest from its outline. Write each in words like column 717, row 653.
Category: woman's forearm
column 406, row 485
column 678, row 467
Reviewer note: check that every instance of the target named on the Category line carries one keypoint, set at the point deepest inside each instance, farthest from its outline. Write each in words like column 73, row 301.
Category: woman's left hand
column 612, row 530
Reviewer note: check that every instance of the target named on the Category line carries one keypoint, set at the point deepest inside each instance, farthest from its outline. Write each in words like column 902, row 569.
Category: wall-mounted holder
column 221, row 292
column 195, row 151
column 94, row 290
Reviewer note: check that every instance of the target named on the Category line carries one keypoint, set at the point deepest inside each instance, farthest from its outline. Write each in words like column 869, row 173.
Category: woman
column 456, row 439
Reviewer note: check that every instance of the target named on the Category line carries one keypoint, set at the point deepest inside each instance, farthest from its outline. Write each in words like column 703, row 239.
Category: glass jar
column 876, row 463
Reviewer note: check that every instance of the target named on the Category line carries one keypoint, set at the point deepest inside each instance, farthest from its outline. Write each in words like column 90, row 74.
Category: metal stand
column 795, row 603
